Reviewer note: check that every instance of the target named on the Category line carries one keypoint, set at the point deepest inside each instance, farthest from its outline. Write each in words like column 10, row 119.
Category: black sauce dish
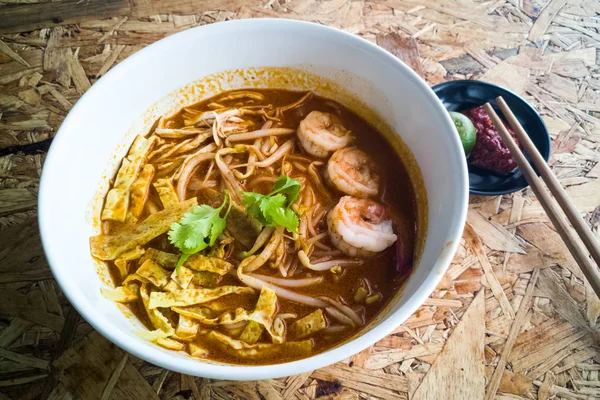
column 462, row 95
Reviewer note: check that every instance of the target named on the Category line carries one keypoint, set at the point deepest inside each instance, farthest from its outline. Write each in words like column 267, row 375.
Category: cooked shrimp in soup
column 322, row 133
column 360, row 227
column 353, row 172
column 258, row 227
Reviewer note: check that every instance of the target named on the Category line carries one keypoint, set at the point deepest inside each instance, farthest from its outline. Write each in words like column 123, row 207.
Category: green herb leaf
column 289, row 187
column 249, row 198
column 270, row 203
column 198, row 229
column 217, row 228
column 286, row 217
column 273, row 209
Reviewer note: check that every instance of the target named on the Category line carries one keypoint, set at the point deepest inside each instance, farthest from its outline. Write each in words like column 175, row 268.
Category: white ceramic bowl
column 100, row 127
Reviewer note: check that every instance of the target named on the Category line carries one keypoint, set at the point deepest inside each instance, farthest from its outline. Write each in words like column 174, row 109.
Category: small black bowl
column 462, row 95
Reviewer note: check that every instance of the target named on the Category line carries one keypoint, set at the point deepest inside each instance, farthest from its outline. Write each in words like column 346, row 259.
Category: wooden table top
column 513, row 317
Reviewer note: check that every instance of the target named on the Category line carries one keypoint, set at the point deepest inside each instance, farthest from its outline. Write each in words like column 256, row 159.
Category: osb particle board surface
column 512, row 318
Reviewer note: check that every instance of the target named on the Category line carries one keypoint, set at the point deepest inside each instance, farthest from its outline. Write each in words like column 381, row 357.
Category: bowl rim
column 248, row 372
column 504, row 92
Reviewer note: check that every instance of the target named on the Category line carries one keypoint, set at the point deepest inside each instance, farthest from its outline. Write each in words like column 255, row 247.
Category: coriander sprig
column 273, row 209
column 198, row 229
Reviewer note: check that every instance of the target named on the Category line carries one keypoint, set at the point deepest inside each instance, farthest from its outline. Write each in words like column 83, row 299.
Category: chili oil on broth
column 379, row 275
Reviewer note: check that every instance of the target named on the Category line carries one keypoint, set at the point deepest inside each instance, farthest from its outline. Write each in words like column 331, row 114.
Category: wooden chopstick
column 555, row 187
column 590, row 271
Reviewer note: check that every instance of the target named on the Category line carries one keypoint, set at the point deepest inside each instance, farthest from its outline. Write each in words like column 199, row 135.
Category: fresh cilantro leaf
column 289, row 187
column 273, row 209
column 254, row 211
column 249, row 198
column 198, row 229
column 199, row 213
column 285, row 217
column 217, row 228
column 269, row 203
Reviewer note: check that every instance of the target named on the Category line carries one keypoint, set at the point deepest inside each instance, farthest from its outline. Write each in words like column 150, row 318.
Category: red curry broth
column 379, row 274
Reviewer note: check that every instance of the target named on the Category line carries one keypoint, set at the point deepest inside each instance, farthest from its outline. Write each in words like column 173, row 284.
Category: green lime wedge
column 466, row 130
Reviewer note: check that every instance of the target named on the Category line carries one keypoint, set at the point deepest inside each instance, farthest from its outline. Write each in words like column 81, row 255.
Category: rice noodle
column 178, row 133
column 322, row 259
column 297, row 103
column 335, row 329
column 245, row 94
column 313, row 199
column 197, row 186
column 266, row 145
column 258, row 284
column 251, row 159
column 215, row 106
column 262, row 238
column 209, row 148
column 170, row 165
column 339, row 316
column 259, row 134
column 267, row 125
column 229, row 128
column 264, row 256
column 228, row 177
column 289, row 282
column 345, row 309
column 208, row 172
column 159, row 150
column 189, row 166
column 192, row 111
column 300, row 159
column 282, row 269
column 281, row 258
column 258, row 143
column 316, row 238
column 302, row 226
column 309, row 224
column 322, row 246
column 314, row 177
column 332, row 253
column 282, row 151
column 293, row 267
column 286, row 168
column 287, row 316
column 316, row 221
column 208, row 117
column 259, row 180
column 266, row 115
column 298, row 166
column 176, row 160
column 324, row 266
column 186, row 145
column 289, row 260
column 215, row 130
column 273, row 148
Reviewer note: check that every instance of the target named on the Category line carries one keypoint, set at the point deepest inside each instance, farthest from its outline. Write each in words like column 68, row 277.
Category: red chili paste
column 489, row 152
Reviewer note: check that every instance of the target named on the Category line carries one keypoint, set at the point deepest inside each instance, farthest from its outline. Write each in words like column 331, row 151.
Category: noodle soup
column 258, row 227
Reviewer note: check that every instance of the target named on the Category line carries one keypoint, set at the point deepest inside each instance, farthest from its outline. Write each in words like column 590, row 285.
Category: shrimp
column 358, row 227
column 322, row 133
column 352, row 171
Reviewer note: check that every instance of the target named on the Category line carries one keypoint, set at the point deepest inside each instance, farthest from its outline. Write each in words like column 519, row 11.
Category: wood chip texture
column 512, row 318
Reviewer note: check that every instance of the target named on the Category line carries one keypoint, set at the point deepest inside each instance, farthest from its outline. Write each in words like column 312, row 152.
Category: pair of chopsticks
column 590, row 271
